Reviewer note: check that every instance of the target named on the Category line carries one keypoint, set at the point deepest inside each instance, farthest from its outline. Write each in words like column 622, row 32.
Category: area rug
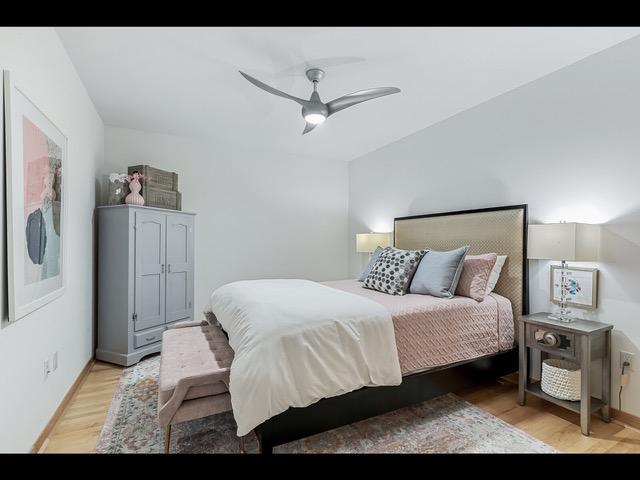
column 446, row 424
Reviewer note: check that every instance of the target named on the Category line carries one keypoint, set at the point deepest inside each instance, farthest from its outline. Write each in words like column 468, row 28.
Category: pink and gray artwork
column 42, row 159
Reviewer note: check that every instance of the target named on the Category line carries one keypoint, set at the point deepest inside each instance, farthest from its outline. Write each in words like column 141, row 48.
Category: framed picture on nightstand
column 581, row 286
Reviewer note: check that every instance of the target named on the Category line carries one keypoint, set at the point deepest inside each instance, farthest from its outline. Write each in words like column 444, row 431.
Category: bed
column 443, row 345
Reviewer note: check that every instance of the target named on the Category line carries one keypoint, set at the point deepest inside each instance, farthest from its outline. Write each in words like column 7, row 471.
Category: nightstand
column 580, row 341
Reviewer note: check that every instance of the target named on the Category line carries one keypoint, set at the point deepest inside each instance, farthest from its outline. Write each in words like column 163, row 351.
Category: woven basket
column 561, row 379
column 156, row 197
column 155, row 177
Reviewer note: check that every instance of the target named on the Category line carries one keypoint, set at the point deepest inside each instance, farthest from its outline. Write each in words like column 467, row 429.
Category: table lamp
column 368, row 242
column 579, row 242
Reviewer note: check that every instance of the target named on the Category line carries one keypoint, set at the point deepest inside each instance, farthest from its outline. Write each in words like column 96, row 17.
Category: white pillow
column 495, row 273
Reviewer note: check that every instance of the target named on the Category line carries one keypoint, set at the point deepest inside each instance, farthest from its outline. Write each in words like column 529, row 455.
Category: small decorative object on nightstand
column 580, row 341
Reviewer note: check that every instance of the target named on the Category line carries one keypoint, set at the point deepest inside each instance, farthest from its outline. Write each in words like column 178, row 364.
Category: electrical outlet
column 47, row 368
column 54, row 362
column 627, row 357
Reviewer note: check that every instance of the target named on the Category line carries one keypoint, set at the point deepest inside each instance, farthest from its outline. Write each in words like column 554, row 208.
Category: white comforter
column 297, row 341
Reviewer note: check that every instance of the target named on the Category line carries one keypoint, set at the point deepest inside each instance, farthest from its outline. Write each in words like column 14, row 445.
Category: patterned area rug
column 446, row 424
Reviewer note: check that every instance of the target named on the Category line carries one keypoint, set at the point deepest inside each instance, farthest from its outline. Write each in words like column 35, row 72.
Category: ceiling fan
column 314, row 110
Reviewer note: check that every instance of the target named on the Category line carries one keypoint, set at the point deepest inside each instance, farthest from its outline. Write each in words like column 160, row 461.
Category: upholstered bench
column 194, row 375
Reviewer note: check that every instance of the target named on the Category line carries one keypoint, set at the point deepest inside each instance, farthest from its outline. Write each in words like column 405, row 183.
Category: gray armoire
column 145, row 279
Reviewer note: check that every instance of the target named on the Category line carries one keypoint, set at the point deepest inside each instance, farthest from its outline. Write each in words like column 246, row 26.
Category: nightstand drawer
column 551, row 340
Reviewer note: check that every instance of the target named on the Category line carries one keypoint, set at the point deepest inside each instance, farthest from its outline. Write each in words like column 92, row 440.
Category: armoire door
column 149, row 270
column 179, row 267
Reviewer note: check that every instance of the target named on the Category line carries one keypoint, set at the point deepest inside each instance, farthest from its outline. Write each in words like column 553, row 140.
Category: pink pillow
column 475, row 275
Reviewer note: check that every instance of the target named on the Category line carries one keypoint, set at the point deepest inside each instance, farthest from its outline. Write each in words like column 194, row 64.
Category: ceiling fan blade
column 358, row 97
column 308, row 127
column 272, row 90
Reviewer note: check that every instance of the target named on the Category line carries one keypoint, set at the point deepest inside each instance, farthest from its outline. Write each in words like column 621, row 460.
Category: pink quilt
column 432, row 332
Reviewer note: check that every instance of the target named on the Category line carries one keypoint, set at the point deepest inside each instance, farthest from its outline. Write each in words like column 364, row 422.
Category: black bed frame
column 333, row 412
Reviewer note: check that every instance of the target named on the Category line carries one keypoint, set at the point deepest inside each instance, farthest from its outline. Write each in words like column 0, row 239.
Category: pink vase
column 134, row 198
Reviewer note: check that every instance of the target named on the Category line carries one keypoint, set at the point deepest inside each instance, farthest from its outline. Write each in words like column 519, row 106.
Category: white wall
column 567, row 144
column 259, row 215
column 40, row 65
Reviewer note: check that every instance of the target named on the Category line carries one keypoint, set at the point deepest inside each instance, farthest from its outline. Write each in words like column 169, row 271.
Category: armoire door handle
column 163, row 268
column 169, row 268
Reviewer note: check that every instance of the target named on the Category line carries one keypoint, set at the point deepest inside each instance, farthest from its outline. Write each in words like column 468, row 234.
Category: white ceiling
column 185, row 81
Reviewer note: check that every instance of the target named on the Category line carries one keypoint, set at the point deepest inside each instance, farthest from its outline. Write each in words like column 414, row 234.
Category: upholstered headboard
column 502, row 230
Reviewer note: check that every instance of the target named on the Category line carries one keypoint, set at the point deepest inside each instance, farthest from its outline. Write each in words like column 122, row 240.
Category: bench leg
column 242, row 449
column 167, row 438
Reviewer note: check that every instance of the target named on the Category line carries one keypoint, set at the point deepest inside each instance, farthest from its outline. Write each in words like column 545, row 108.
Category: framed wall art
column 36, row 153
column 581, row 286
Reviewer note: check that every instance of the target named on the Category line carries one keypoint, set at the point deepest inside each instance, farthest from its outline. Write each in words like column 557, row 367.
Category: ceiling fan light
column 315, row 118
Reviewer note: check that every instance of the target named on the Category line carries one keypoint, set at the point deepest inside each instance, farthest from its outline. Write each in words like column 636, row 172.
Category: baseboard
column 127, row 359
column 626, row 418
column 39, row 443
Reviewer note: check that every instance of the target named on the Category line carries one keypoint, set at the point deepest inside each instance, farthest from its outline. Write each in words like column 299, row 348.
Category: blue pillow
column 439, row 272
column 374, row 257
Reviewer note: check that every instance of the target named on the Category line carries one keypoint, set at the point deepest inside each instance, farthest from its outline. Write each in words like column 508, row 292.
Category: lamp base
column 564, row 315
column 562, row 318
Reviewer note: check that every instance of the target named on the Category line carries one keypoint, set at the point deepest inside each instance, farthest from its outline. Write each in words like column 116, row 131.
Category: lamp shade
column 579, row 242
column 367, row 242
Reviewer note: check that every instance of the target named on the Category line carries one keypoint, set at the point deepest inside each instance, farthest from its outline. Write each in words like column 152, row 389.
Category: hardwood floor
column 80, row 425
column 81, row 422
column 553, row 425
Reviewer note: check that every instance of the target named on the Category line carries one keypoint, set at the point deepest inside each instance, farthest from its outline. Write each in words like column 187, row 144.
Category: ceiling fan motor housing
column 315, row 107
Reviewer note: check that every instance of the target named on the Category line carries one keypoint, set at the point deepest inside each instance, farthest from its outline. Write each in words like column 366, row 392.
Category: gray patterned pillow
column 393, row 271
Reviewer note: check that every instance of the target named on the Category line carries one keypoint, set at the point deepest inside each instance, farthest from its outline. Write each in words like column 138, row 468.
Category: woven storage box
column 561, row 379
column 159, row 198
column 156, row 178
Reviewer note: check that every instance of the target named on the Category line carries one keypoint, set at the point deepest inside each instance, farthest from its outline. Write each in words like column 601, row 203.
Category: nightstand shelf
column 534, row 389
